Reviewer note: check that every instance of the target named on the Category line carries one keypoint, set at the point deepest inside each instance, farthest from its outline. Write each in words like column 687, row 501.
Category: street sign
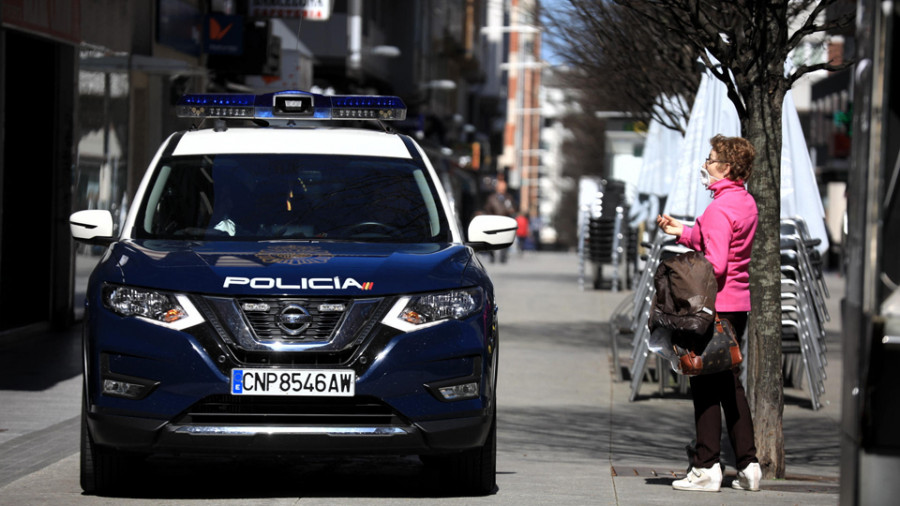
column 314, row 10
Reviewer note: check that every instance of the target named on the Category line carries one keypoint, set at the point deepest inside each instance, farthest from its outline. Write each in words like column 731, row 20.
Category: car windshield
column 303, row 197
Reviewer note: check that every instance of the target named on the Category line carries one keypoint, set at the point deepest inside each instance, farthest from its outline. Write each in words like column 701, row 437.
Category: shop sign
column 58, row 19
column 313, row 10
column 224, row 34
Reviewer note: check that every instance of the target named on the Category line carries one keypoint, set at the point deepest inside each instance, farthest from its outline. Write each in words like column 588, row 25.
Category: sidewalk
column 567, row 432
column 645, row 439
column 644, row 433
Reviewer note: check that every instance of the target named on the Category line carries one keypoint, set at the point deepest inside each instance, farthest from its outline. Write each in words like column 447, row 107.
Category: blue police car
column 290, row 288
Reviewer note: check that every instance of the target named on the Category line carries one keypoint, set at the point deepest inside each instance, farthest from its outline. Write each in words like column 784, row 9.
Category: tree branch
column 806, row 69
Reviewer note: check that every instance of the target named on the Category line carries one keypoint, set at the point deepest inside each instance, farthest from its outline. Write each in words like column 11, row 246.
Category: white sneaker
column 701, row 480
column 748, row 478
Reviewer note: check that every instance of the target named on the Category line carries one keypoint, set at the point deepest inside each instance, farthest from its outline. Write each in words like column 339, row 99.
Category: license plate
column 302, row 382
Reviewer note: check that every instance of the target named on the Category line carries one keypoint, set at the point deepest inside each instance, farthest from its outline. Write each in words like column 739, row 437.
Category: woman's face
column 718, row 168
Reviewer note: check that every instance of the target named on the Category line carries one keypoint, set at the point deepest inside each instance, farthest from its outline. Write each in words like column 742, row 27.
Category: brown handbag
column 720, row 353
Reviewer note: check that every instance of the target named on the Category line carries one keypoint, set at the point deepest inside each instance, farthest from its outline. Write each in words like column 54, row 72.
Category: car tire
column 481, row 467
column 103, row 470
column 472, row 472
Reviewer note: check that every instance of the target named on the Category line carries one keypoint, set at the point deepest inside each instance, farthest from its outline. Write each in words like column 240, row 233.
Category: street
column 566, row 431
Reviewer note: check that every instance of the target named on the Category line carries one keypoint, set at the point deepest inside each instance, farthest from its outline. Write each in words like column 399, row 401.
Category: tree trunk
column 762, row 128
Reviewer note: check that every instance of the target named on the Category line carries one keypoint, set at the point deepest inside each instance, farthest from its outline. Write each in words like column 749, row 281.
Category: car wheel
column 103, row 470
column 472, row 471
column 481, row 468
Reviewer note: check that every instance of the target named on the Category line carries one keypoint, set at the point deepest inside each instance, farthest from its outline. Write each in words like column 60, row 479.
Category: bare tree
column 613, row 63
column 745, row 44
column 623, row 63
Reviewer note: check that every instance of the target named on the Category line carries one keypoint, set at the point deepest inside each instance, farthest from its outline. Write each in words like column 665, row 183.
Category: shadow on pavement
column 652, row 433
column 38, row 361
column 658, row 431
column 201, row 478
column 576, row 334
column 556, row 435
column 813, row 444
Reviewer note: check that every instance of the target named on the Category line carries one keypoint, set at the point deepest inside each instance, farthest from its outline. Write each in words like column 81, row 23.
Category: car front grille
column 256, row 331
column 227, row 410
column 321, row 317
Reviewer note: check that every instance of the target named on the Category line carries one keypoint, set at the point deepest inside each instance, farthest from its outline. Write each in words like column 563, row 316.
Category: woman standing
column 724, row 233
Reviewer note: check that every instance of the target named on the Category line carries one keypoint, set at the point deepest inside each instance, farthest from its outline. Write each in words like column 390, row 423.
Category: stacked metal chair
column 607, row 235
column 803, row 309
column 633, row 313
column 803, row 293
column 626, row 317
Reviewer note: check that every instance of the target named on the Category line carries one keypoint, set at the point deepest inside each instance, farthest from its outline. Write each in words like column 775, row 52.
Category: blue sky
column 546, row 48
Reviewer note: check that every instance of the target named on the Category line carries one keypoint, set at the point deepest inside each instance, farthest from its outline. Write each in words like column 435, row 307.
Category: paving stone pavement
column 613, row 450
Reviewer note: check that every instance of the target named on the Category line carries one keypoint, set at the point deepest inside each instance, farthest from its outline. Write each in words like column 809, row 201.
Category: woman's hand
column 669, row 225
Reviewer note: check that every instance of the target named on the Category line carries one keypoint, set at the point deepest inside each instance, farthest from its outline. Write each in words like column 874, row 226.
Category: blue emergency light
column 290, row 104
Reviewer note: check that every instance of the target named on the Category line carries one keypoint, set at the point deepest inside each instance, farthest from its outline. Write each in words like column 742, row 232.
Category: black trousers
column 715, row 393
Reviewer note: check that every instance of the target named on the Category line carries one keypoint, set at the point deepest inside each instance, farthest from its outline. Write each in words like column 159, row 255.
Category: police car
column 290, row 288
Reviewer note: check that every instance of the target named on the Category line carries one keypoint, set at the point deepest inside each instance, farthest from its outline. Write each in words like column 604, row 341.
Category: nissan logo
column 293, row 319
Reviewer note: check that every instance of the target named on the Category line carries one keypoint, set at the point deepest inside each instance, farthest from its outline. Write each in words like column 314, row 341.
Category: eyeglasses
column 710, row 160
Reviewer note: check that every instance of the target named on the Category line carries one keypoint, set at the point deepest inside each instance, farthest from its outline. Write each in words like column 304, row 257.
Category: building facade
column 82, row 81
column 88, row 88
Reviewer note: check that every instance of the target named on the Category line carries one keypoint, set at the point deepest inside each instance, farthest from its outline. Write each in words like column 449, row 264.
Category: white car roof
column 316, row 141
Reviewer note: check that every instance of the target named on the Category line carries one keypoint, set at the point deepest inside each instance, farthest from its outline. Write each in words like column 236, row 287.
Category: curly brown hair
column 738, row 152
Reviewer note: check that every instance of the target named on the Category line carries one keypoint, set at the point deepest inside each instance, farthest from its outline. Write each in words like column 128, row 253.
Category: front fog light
column 459, row 392
column 121, row 385
column 119, row 388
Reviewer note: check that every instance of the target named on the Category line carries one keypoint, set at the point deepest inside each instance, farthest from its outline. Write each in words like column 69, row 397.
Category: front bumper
column 151, row 436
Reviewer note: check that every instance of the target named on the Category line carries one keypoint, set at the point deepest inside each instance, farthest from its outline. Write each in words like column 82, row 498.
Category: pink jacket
column 724, row 233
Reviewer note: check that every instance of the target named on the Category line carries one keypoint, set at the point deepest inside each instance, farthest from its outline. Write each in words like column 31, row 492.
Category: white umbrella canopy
column 661, row 150
column 799, row 190
column 712, row 113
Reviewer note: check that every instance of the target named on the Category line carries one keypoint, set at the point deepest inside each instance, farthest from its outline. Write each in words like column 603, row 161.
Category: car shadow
column 165, row 478
column 36, row 361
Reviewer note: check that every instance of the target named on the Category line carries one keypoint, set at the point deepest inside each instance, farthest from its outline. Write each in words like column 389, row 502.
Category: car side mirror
column 93, row 227
column 491, row 232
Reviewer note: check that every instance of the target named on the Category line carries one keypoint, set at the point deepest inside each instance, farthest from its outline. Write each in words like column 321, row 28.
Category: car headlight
column 421, row 311
column 161, row 308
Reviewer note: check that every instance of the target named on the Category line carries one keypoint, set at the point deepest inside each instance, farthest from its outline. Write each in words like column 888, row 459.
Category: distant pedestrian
column 724, row 233
column 500, row 203
column 536, row 224
column 522, row 233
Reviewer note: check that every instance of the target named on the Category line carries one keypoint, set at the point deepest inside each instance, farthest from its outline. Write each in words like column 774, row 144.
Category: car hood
column 288, row 268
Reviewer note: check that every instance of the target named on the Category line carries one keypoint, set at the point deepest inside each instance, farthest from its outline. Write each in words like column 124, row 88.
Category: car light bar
column 292, row 104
